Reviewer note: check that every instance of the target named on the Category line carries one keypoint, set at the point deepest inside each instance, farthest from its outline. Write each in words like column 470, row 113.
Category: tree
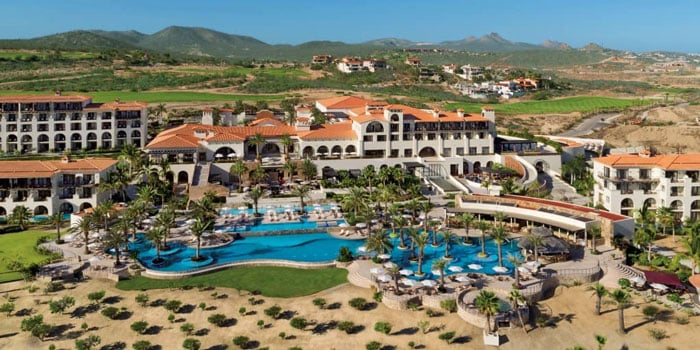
column 645, row 236
column 398, row 221
column 89, row 343
column 308, row 168
column 499, row 235
column 665, row 217
column 238, row 168
column 448, row 238
column 60, row 305
column 298, row 323
column 187, row 328
column 487, row 304
column 355, row 200
column 142, row 345
column 599, row 291
column 56, row 220
column 217, row 319
column 691, row 242
column 302, row 192
column 241, row 341
column 425, row 207
column 382, row 327
column 516, row 261
column 516, row 299
column 317, row 117
column 482, row 226
column 191, row 344
column 286, row 142
column 157, row 235
column 139, row 326
column 257, row 140
column 594, row 232
column 142, row 299
column 290, row 169
column 258, row 175
column 467, row 219
column 622, row 300
column 440, row 264
column 115, row 237
column 255, row 194
column 378, row 242
column 273, row 311
column 95, row 297
column 7, row 308
column 421, row 241
column 536, row 240
column 198, row 227
column 447, row 336
column 84, row 226
column 601, row 340
column 20, row 216
column 166, row 219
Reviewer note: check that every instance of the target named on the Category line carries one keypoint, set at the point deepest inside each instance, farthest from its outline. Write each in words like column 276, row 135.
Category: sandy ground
column 572, row 308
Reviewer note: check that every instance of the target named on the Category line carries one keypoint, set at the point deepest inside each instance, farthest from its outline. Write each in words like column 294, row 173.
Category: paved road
column 591, row 123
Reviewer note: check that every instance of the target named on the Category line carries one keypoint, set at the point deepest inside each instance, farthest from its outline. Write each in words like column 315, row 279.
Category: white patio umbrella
column 362, row 249
column 475, row 266
column 429, row 283
column 462, row 279
column 406, row 272
column 409, row 282
column 637, row 280
column 232, row 155
column 500, row 269
column 436, row 272
column 384, row 256
column 390, row 265
column 455, row 268
column 658, row 286
column 384, row 278
column 376, row 270
column 219, row 155
column 361, row 225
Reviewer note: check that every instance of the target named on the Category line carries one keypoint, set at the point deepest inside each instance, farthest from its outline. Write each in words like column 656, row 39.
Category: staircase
column 201, row 174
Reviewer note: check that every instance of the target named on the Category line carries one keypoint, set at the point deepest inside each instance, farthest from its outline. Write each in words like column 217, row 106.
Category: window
column 367, row 138
column 107, row 115
column 481, row 135
column 419, row 137
column 468, row 135
column 394, row 128
column 409, row 153
column 472, row 150
column 406, row 137
column 394, row 137
column 106, row 126
column 75, row 126
column 485, row 150
column 381, row 138
column 644, row 174
column 431, row 136
column 460, row 151
column 456, row 136
column 447, row 152
column 394, row 153
column 606, row 172
column 406, row 127
column 621, row 174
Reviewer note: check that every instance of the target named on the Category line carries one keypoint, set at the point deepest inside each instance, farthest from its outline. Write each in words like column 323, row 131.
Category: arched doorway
column 477, row 168
column 650, row 203
column 427, row 152
column 76, row 141
column 66, row 208
column 106, row 140
column 182, row 177
column 136, row 138
column 170, row 177
column 695, row 210
column 41, row 210
column 677, row 209
column 375, row 127
column 350, row 149
column 322, row 151
column 270, row 149
column 541, row 166
column 626, row 206
column 3, row 212
column 308, row 152
column 336, row 150
column 224, row 153
column 84, row 206
column 489, row 164
column 91, row 140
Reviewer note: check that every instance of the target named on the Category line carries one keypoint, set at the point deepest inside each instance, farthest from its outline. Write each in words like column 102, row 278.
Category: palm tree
column 286, row 141
column 309, row 169
column 665, row 217
column 421, row 240
column 413, row 233
column 102, row 212
column 238, row 168
column 258, row 174
column 84, row 226
column 20, row 216
column 160, row 110
column 536, row 241
column 645, row 236
column 622, row 300
column 290, row 169
column 413, row 206
column 509, row 186
column 499, row 235
column 440, row 265
column 166, row 219
column 516, row 299
column 487, row 304
column 394, row 272
column 398, row 222
column 114, row 238
column 594, row 232
column 599, row 291
column 425, row 208
column 467, row 219
column 368, row 174
column 255, row 195
column 516, row 261
column 131, row 155
column 644, row 215
column 601, row 340
column 257, row 140
column 147, row 194
column 56, row 220
column 482, row 226
column 355, row 200
column 499, row 217
column 378, row 242
column 691, row 242
column 157, row 235
column 448, row 237
column 302, row 192
column 386, row 195
column 198, row 227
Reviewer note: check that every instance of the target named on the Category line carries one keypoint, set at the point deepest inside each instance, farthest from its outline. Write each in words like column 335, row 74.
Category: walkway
column 561, row 191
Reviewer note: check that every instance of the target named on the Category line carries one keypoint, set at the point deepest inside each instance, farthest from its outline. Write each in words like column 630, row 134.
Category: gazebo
column 552, row 246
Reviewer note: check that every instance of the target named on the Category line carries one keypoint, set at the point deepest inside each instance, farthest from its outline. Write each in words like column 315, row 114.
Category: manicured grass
column 584, row 104
column 157, row 96
column 271, row 281
column 292, row 72
column 19, row 246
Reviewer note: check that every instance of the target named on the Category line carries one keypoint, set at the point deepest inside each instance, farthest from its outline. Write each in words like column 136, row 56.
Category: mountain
column 492, row 42
column 553, row 44
column 200, row 42
column 391, row 42
column 77, row 40
column 129, row 36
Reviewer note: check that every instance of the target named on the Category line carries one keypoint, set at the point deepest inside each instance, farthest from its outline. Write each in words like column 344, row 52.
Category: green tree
column 440, row 264
column 499, row 235
column 622, row 300
column 467, row 219
column 7, row 308
column 517, row 299
column 56, row 220
column 286, row 142
column 666, row 218
column 95, row 297
column 601, row 340
column 139, row 326
column 257, row 140
column 290, row 169
column 448, row 238
column 482, row 226
column 355, row 200
column 421, row 241
column 599, row 291
column 645, row 236
column 238, row 169
column 255, row 194
column 83, row 227
column 536, row 241
column 20, row 216
column 379, row 242
column 691, row 242
column 487, row 304
column 89, row 343
column 191, row 344
column 157, row 235
column 198, row 228
column 302, row 192
column 166, row 219
column 60, row 305
column 308, row 168
column 317, row 117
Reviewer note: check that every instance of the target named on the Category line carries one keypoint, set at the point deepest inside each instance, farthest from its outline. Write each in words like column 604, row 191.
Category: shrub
column 320, row 302
column 172, row 305
column 650, row 311
column 110, row 312
column 373, row 345
column 424, row 326
column 344, row 254
column 261, row 324
column 59, row 306
column 217, row 319
column 95, row 297
column 447, row 336
column 682, row 319
column 411, row 344
column 657, row 334
column 84, row 326
column 430, row 312
column 242, row 311
column 449, row 305
column 54, row 287
column 241, row 341
column 36, row 326
column 191, row 344
column 141, row 345
column 298, row 323
column 358, row 303
column 673, row 297
column 383, row 327
column 187, row 328
column 7, row 308
column 624, row 283
column 202, row 306
column 142, row 299
column 377, row 296
column 171, row 318
column 139, row 326
column 273, row 311
column 88, row 343
column 346, row 326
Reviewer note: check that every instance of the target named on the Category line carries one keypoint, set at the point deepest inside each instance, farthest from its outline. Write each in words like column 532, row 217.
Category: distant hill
column 203, row 42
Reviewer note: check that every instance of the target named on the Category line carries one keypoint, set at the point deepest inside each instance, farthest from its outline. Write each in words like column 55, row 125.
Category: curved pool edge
column 156, row 274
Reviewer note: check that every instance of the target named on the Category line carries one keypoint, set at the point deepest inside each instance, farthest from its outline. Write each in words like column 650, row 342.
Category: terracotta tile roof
column 184, row 136
column 668, row 161
column 343, row 102
column 15, row 169
column 266, row 121
column 329, row 131
column 45, row 98
column 174, row 141
column 131, row 105
column 487, row 108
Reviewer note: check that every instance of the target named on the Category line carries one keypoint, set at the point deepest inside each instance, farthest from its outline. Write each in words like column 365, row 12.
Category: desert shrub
column 273, row 311
column 682, row 319
column 424, row 326
column 344, row 254
column 54, row 287
column 358, row 303
column 261, row 324
column 242, row 311
column 202, row 306
column 298, row 323
column 650, row 311
column 191, row 344
column 447, row 336
column 139, row 326
column 95, row 297
column 187, row 328
column 449, row 305
column 59, row 306
column 657, row 334
column 320, row 302
column 217, row 319
column 141, row 345
column 172, row 305
column 88, row 343
column 624, row 283
column 383, row 327
column 171, row 318
column 673, row 297
column 110, row 312
column 142, row 299
column 7, row 308
column 241, row 341
column 346, row 326
column 373, row 345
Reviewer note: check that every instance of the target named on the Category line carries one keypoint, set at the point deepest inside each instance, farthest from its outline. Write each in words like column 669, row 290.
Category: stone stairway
column 355, row 278
column 201, row 174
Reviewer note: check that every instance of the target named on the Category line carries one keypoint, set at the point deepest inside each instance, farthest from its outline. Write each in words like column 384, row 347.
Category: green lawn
column 271, row 281
column 291, row 72
column 157, row 96
column 19, row 246
column 583, row 104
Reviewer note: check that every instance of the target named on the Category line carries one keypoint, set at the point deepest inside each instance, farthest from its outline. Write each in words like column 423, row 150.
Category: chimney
column 436, row 113
column 57, row 93
column 460, row 113
column 366, row 108
column 66, row 158
column 116, row 100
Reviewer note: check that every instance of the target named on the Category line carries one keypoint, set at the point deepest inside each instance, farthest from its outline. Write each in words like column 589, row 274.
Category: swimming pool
column 464, row 255
column 258, row 226
column 279, row 209
column 304, row 247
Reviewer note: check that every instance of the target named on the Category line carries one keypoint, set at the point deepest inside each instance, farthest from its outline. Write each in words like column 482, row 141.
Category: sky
column 635, row 25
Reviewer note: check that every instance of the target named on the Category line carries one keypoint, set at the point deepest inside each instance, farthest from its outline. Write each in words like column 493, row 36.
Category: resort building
column 625, row 183
column 53, row 186
column 351, row 65
column 55, row 123
column 321, row 59
column 360, row 132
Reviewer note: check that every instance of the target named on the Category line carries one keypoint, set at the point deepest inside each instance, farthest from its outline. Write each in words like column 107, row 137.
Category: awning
column 664, row 278
column 695, row 280
column 411, row 165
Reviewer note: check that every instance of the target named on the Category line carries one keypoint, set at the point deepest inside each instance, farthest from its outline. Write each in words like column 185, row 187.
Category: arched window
column 350, row 149
column 375, row 127
column 427, row 152
column 394, row 118
column 308, row 152
column 336, row 150
column 650, row 203
column 627, row 203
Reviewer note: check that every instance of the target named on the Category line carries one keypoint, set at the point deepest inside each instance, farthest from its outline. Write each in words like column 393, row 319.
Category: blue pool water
column 307, row 247
column 464, row 255
column 277, row 209
column 258, row 226
column 46, row 217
